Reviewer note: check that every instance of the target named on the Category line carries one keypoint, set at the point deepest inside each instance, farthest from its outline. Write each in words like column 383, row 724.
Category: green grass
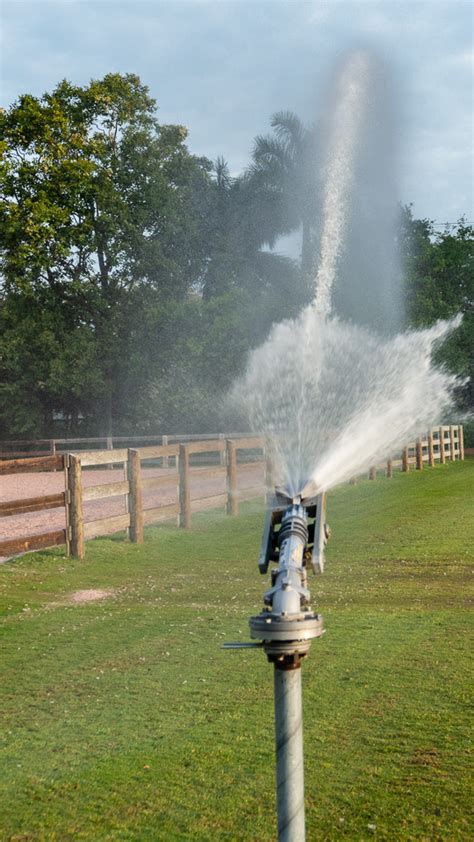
column 125, row 720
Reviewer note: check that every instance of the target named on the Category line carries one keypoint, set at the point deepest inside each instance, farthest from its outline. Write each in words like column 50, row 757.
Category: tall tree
column 98, row 200
column 239, row 223
column 284, row 173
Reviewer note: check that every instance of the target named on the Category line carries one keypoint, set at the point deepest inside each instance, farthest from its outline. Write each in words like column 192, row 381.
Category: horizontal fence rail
column 33, row 542
column 38, row 464
column 24, row 448
column 230, row 462
column 32, row 504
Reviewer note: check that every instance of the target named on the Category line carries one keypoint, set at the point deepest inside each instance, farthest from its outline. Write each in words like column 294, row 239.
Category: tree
column 238, row 226
column 46, row 366
column 283, row 176
column 439, row 285
column 99, row 201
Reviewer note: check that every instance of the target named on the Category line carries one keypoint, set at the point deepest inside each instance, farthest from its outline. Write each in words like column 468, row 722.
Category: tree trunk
column 306, row 253
column 107, row 418
column 307, row 257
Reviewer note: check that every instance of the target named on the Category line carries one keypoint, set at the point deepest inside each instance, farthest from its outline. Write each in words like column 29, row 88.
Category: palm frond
column 266, row 147
column 271, row 159
column 288, row 127
column 222, row 173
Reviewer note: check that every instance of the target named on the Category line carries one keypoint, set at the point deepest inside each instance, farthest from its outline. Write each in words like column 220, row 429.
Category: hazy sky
column 223, row 67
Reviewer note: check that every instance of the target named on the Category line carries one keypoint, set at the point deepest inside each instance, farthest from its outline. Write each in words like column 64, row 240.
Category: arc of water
column 349, row 115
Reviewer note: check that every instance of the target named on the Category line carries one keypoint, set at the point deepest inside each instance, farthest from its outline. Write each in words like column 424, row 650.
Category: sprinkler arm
column 321, row 536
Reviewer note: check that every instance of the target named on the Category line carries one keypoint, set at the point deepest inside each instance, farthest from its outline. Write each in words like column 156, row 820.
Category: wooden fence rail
column 26, row 466
column 24, row 448
column 441, row 444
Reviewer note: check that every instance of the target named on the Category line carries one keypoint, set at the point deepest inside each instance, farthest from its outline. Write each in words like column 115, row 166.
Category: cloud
column 222, row 68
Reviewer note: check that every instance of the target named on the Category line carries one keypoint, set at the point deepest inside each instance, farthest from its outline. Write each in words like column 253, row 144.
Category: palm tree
column 242, row 216
column 283, row 170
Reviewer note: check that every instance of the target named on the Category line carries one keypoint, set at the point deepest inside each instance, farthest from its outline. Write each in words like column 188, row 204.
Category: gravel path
column 19, row 486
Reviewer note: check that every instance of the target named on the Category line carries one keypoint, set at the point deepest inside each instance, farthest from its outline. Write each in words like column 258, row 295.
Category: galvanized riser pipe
column 286, row 627
column 289, row 754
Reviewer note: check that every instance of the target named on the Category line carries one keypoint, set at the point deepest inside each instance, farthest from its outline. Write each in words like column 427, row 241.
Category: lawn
column 125, row 720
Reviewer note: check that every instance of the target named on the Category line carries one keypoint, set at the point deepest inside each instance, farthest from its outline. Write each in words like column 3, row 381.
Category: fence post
column 67, row 504
column 110, row 446
column 419, row 455
column 389, row 469
column 431, row 459
column 373, row 472
column 461, row 441
column 232, row 498
column 52, row 450
column 135, row 496
column 405, row 462
column 442, row 454
column 184, row 488
column 451, row 443
column 76, row 516
column 222, row 453
column 165, row 460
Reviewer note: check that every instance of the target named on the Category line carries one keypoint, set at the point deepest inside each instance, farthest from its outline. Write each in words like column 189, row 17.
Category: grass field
column 125, row 720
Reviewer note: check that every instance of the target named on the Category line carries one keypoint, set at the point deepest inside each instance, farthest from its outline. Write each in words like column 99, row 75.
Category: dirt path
column 18, row 486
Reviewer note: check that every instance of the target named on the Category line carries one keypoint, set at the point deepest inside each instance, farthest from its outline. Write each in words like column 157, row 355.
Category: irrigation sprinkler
column 294, row 536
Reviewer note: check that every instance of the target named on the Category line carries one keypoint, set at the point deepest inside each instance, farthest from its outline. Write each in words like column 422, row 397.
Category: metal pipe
column 289, row 754
column 286, row 627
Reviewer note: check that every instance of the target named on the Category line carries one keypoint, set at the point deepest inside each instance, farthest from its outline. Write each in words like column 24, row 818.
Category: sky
column 223, row 67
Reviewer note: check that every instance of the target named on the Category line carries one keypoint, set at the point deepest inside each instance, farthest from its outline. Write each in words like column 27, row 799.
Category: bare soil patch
column 90, row 595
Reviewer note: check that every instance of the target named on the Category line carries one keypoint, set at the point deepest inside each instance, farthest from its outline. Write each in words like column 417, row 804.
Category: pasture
column 125, row 720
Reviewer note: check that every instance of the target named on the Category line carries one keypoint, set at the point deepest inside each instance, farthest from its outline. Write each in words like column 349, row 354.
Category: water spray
column 294, row 536
column 345, row 398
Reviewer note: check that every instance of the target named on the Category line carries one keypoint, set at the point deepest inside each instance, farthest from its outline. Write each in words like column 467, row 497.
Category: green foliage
column 283, row 178
column 90, row 180
column 41, row 370
column 99, row 200
column 118, row 713
column 207, row 342
column 440, row 284
column 133, row 278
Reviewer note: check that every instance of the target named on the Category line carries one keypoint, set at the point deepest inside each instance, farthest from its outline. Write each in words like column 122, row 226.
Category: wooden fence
column 27, row 448
column 441, row 444
column 222, row 463
column 225, row 459
column 14, row 546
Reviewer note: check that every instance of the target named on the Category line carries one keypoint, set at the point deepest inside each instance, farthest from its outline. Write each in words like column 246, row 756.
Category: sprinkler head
column 294, row 535
column 287, row 624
